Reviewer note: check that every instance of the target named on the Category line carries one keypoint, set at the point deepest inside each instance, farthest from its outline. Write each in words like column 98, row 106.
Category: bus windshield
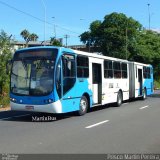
column 32, row 74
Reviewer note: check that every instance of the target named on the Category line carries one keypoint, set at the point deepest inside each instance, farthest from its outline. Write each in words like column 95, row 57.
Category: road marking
column 97, row 124
column 15, row 116
column 144, row 107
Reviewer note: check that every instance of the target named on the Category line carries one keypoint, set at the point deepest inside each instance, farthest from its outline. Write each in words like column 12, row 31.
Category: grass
column 4, row 101
column 4, row 97
column 157, row 84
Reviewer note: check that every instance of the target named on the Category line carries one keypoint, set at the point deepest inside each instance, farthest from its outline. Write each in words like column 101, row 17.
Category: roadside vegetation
column 123, row 37
column 5, row 54
column 116, row 36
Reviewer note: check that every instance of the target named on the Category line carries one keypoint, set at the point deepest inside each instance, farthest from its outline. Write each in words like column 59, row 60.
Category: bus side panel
column 148, row 84
column 71, row 100
column 111, row 87
column 109, row 91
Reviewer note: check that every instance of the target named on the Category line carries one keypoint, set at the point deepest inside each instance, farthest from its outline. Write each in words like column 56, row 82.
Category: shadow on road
column 32, row 117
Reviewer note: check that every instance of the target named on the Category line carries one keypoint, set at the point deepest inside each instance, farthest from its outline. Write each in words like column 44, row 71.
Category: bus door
column 65, row 81
column 97, row 83
column 140, row 81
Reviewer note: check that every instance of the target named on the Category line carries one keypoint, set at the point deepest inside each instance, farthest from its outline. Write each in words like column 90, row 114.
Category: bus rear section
column 141, row 80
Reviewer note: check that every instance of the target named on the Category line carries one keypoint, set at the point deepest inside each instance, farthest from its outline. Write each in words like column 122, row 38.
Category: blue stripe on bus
column 71, row 99
column 33, row 100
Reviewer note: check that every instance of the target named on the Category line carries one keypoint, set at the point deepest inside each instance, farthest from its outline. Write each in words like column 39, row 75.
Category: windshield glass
column 32, row 75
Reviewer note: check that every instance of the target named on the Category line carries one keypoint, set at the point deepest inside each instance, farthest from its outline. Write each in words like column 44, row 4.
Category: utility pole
column 126, row 39
column 54, row 28
column 44, row 5
column 149, row 17
column 66, row 37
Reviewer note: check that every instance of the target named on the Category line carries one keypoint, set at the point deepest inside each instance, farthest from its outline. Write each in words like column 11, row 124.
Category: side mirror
column 8, row 66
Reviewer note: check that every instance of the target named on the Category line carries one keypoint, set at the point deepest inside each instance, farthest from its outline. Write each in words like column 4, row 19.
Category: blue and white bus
column 60, row 80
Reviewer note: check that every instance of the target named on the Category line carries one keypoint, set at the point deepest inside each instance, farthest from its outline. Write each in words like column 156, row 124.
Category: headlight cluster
column 48, row 101
column 13, row 100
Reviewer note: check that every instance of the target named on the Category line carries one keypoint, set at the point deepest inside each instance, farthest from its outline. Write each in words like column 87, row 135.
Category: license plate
column 29, row 107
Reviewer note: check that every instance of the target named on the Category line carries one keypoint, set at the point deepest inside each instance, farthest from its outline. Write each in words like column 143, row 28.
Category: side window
column 82, row 67
column 146, row 72
column 108, row 69
column 124, row 70
column 149, row 72
column 117, row 69
column 69, row 74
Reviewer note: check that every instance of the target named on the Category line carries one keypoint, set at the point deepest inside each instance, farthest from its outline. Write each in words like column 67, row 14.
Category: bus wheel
column 144, row 94
column 83, row 107
column 119, row 99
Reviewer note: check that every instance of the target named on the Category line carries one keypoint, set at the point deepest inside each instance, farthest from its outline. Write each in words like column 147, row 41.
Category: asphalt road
column 132, row 128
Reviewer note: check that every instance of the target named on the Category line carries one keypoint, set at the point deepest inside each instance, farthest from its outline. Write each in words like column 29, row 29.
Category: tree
column 5, row 55
column 148, row 50
column 114, row 36
column 55, row 42
column 33, row 37
column 28, row 36
column 123, row 37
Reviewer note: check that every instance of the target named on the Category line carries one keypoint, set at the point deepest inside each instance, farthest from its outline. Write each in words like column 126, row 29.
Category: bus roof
column 97, row 55
column 94, row 55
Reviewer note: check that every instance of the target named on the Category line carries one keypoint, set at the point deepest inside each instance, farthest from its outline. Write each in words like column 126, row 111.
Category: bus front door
column 97, row 83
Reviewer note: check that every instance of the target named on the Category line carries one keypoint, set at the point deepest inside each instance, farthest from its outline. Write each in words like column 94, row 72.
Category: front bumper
column 55, row 107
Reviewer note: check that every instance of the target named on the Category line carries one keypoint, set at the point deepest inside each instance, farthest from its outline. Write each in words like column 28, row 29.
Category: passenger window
column 124, row 70
column 82, row 67
column 108, row 69
column 146, row 72
column 69, row 74
column 117, row 69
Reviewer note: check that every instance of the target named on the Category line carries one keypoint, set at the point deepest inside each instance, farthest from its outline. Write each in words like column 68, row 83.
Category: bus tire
column 83, row 106
column 144, row 94
column 119, row 99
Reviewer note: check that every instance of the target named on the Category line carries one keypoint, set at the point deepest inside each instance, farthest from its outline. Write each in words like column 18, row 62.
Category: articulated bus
column 61, row 80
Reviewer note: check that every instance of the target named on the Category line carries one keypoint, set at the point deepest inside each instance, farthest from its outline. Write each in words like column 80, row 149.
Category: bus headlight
column 48, row 101
column 13, row 100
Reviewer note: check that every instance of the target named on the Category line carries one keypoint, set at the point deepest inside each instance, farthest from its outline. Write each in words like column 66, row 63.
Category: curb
column 155, row 95
column 4, row 109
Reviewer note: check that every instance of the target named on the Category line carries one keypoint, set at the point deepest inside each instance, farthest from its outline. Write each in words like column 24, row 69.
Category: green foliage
column 123, row 37
column 148, row 46
column 28, row 36
column 5, row 55
column 148, row 50
column 157, row 84
column 114, row 36
column 4, row 97
column 55, row 42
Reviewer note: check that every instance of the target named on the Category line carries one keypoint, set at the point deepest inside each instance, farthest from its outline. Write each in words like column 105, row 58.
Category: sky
column 49, row 18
